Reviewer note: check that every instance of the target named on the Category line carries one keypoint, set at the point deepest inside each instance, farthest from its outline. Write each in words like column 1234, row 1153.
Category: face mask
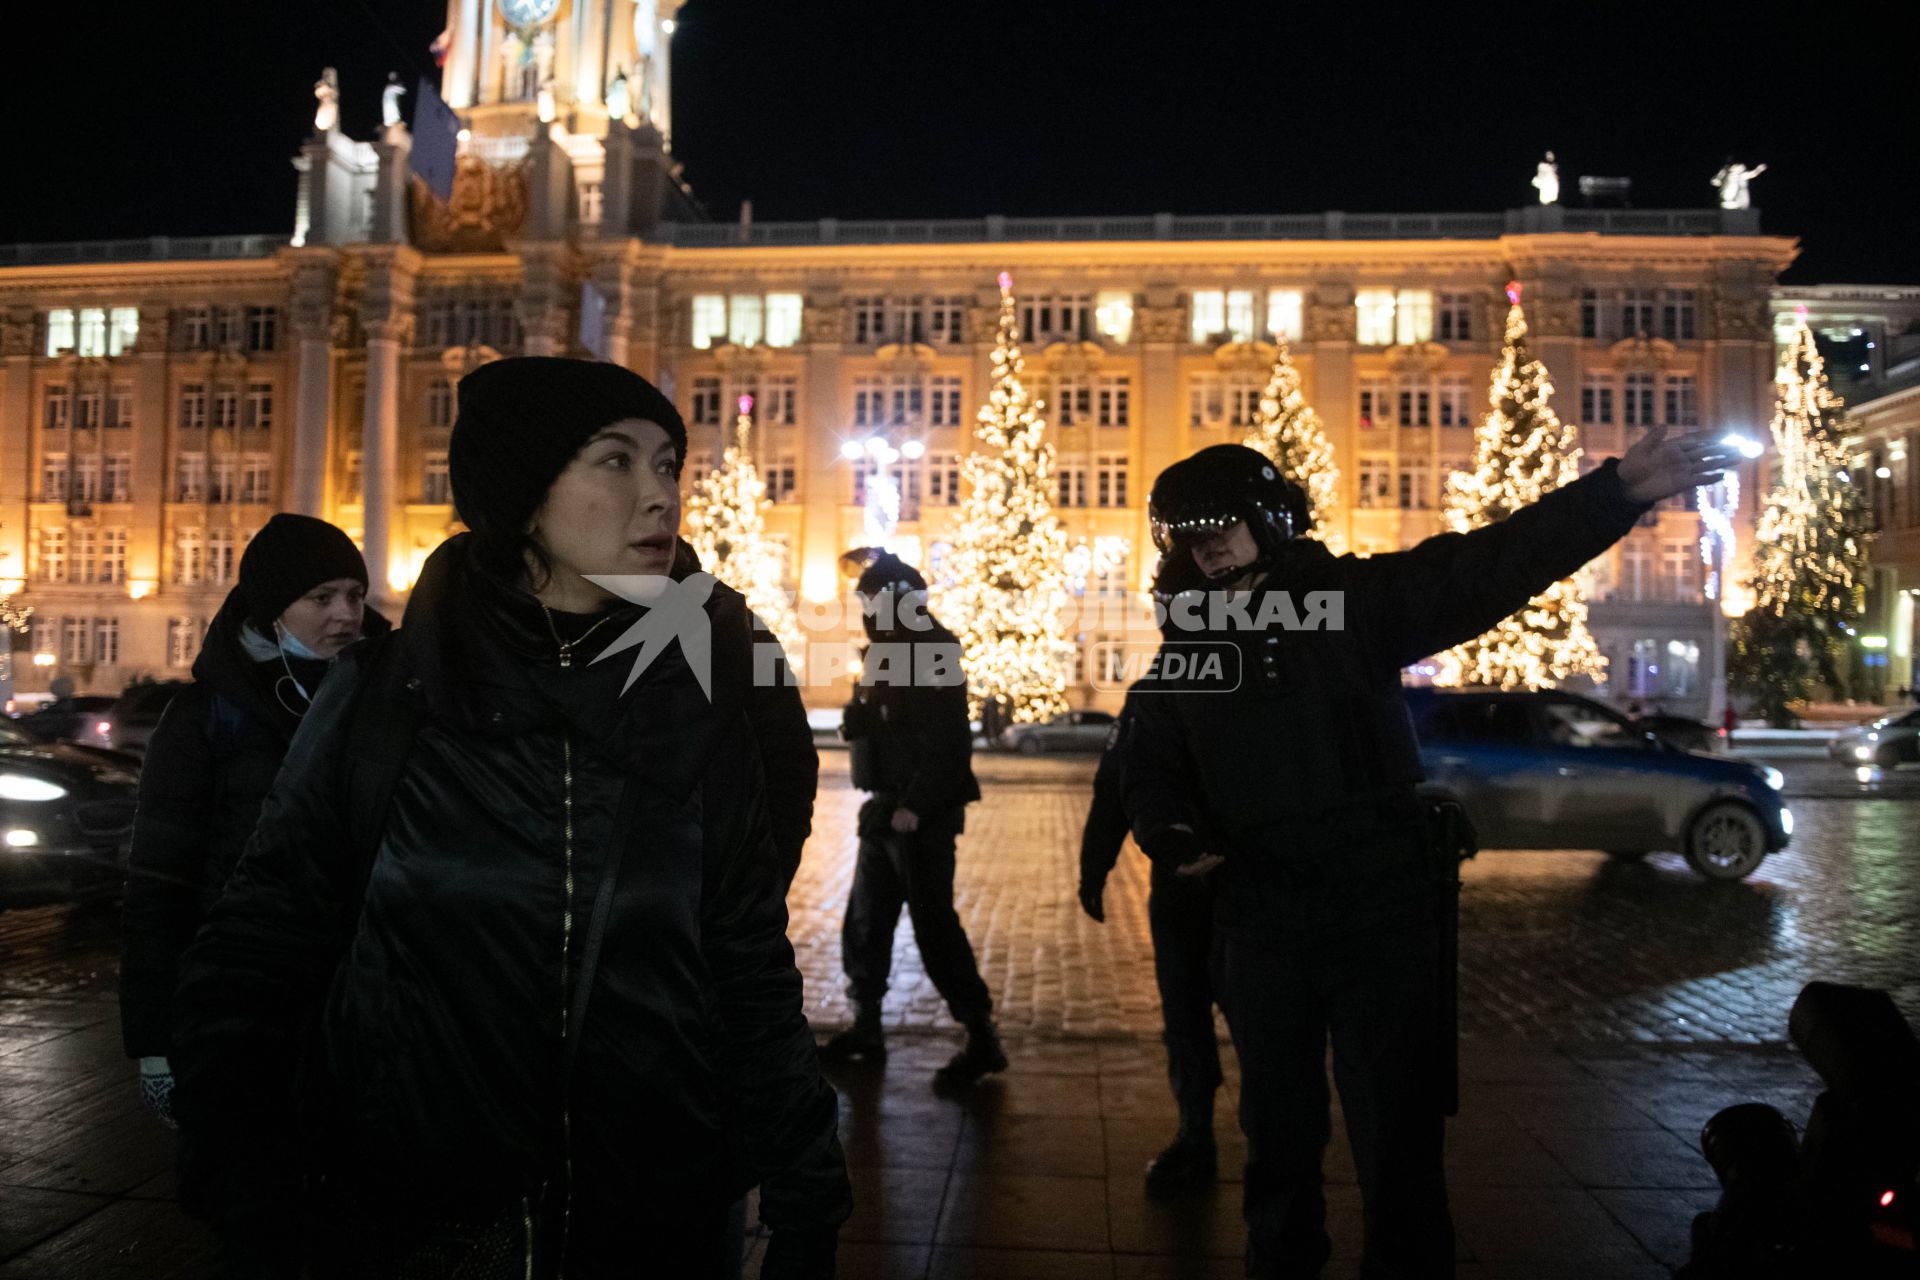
column 291, row 644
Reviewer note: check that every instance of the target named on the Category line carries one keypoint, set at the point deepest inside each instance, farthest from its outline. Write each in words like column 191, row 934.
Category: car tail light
column 103, row 728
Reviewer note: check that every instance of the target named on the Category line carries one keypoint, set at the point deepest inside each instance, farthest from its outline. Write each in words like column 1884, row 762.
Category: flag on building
column 436, row 137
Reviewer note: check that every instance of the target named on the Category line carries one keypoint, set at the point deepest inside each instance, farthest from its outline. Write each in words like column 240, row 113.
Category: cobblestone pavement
column 1556, row 946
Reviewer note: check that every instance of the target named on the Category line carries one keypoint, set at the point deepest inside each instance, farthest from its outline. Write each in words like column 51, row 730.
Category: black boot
column 980, row 1056
column 1191, row 1160
column 863, row 1042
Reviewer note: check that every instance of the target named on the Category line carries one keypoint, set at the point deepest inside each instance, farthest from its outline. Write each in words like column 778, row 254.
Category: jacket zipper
column 566, row 953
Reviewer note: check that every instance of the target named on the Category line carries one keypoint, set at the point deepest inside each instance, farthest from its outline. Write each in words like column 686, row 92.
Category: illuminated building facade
column 159, row 399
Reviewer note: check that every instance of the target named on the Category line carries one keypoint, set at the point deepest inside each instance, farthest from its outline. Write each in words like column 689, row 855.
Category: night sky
column 180, row 118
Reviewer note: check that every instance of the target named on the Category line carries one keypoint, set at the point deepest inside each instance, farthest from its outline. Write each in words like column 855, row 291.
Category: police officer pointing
column 1290, row 779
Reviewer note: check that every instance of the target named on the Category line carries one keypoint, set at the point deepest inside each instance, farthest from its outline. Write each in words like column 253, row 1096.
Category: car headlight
column 1786, row 821
column 21, row 838
column 19, row 786
column 1774, row 777
column 1863, row 753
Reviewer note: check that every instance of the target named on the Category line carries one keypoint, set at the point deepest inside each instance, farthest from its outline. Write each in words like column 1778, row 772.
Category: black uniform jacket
column 1314, row 752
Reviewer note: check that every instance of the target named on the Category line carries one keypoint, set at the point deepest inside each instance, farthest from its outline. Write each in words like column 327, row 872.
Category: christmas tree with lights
column 1810, row 552
column 1288, row 432
column 727, row 531
column 1004, row 588
column 1522, row 451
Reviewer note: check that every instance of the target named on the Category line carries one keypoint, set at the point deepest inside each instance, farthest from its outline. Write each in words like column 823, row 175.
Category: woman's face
column 327, row 619
column 614, row 510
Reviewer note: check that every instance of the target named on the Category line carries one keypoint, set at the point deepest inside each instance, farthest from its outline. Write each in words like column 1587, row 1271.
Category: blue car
column 1557, row 771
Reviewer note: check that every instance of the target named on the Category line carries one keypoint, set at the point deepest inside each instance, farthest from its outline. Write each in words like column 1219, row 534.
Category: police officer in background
column 1294, row 790
column 912, row 749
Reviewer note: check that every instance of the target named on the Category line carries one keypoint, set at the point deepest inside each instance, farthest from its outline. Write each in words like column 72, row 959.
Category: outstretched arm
column 1453, row 587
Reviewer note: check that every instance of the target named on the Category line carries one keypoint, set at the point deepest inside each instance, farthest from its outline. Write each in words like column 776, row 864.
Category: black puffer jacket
column 446, row 999
column 208, row 766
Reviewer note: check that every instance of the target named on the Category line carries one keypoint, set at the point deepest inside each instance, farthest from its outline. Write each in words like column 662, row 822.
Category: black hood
column 225, row 667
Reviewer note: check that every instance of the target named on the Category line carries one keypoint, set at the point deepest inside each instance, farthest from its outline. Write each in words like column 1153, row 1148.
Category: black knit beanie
column 289, row 557
column 521, row 421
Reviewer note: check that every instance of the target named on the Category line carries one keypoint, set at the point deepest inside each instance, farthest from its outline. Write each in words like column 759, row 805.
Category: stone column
column 1330, row 332
column 315, row 275
column 387, row 320
column 545, row 288
column 390, row 186
column 823, row 419
column 147, row 478
column 18, row 421
column 1159, row 328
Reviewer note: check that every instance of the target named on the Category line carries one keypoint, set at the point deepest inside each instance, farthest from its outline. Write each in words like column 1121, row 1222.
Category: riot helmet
column 1217, row 488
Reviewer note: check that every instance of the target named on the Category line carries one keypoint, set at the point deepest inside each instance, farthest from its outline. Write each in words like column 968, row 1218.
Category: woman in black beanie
column 482, row 828
column 301, row 600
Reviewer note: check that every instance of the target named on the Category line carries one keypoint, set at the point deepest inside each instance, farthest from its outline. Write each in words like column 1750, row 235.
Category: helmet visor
column 1171, row 535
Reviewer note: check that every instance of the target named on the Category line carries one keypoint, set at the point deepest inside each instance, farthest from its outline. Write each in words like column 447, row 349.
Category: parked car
column 1885, row 742
column 66, row 819
column 1555, row 771
column 1068, row 731
column 66, row 719
column 129, row 722
column 1684, row 733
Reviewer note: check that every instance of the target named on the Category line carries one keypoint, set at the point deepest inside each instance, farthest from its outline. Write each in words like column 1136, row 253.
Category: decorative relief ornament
column 1161, row 324
column 1330, row 322
column 1631, row 355
column 489, row 205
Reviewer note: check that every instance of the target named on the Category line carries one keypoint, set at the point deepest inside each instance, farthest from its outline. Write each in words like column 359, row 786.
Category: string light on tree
column 1004, row 586
column 1810, row 548
column 727, row 530
column 1522, row 451
column 1288, row 432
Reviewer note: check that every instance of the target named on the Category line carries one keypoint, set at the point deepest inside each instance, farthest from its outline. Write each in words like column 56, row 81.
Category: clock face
column 528, row 13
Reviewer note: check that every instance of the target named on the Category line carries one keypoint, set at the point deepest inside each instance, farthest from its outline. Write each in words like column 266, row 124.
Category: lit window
column 1240, row 315
column 709, row 319
column 783, row 319
column 59, row 332
column 123, row 329
column 590, row 203
column 1373, row 317
column 93, row 331
column 1286, row 315
column 1413, row 317
column 743, row 320
column 1113, row 314
column 1209, row 315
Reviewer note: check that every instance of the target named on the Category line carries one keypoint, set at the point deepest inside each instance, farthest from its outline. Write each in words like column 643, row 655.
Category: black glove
column 1093, row 900
column 1173, row 847
column 800, row 1255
